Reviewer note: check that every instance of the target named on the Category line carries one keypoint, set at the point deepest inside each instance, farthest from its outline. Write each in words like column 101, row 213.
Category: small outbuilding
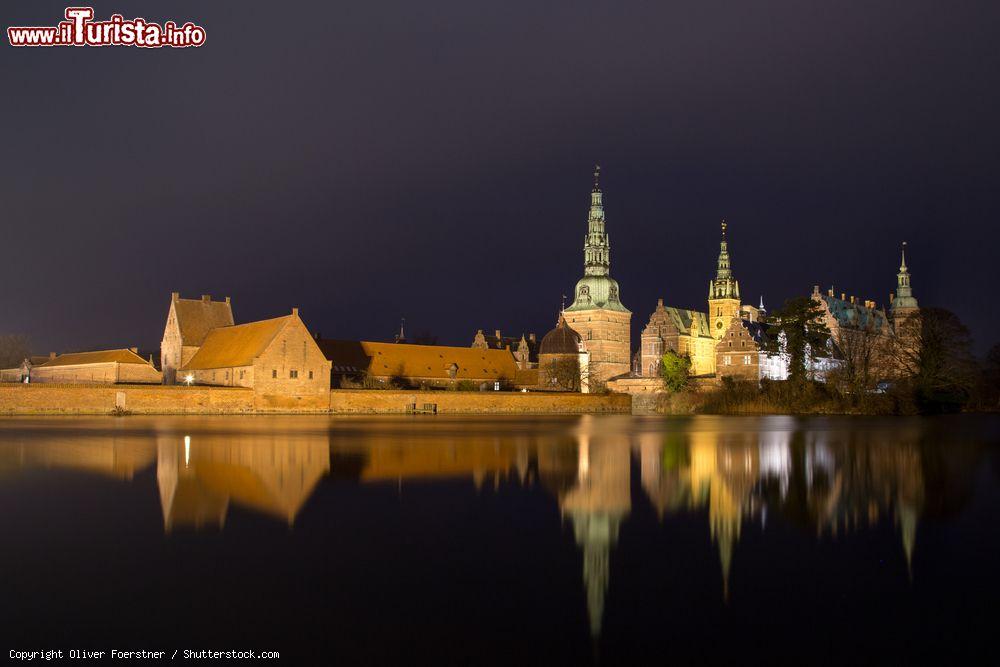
column 101, row 367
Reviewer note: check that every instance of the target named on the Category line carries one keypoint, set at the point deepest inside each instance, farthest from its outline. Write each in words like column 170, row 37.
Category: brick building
column 597, row 312
column 276, row 357
column 188, row 322
column 525, row 349
column 100, row 367
column 420, row 365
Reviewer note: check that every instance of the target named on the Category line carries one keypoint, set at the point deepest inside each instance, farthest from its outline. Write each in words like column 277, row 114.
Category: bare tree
column 14, row 348
column 562, row 373
column 932, row 351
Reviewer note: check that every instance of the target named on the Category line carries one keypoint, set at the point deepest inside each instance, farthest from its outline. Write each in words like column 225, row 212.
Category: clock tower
column 723, row 293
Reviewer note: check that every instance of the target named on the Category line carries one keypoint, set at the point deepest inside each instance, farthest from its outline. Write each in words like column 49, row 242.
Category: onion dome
column 561, row 340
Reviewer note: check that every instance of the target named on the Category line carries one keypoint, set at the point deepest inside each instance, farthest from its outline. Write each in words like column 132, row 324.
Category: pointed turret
column 723, row 291
column 903, row 303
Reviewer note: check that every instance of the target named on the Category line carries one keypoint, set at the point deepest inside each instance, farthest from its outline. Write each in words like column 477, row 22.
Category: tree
column 14, row 349
column 798, row 330
column 860, row 349
column 563, row 373
column 932, row 351
column 675, row 369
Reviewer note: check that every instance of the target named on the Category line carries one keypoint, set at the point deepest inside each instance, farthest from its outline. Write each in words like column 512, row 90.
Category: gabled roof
column 418, row 361
column 233, row 346
column 855, row 315
column 196, row 317
column 681, row 318
column 98, row 357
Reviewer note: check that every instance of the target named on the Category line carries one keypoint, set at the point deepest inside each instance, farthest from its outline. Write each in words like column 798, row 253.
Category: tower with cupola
column 723, row 292
column 597, row 313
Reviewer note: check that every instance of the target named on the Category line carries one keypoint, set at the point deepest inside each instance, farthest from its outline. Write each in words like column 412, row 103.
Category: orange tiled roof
column 230, row 347
column 97, row 357
column 418, row 361
column 197, row 317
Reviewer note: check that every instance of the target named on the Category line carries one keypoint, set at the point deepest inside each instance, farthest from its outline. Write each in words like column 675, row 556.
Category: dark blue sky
column 367, row 161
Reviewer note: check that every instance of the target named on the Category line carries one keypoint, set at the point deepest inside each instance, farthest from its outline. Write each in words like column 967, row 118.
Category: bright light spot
column 187, row 450
column 189, row 378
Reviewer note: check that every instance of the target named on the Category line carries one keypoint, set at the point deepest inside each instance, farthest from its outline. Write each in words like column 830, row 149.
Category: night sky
column 367, row 161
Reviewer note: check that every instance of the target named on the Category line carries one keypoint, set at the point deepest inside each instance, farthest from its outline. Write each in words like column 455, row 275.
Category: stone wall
column 345, row 401
column 175, row 399
column 102, row 399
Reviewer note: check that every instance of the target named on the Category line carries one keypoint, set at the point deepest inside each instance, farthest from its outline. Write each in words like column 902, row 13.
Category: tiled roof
column 97, row 357
column 855, row 315
column 420, row 361
column 230, row 347
column 196, row 317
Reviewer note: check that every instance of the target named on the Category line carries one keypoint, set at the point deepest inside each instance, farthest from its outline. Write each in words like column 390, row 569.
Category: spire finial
column 724, row 225
column 563, row 307
column 597, row 177
column 902, row 267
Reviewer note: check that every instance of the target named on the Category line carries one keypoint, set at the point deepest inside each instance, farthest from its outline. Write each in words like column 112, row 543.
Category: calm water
column 583, row 540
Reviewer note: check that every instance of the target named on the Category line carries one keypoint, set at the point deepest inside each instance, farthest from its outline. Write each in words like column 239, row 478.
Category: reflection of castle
column 828, row 482
column 740, row 475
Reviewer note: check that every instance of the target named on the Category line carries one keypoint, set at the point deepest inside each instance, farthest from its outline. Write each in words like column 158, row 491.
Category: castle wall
column 21, row 399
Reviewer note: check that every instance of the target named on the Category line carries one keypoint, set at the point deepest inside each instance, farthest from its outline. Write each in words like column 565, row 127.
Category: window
column 274, row 374
column 728, row 360
column 241, row 374
column 293, row 374
column 310, row 375
column 746, row 360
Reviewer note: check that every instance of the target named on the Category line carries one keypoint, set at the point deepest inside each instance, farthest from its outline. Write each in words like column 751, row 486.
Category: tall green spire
column 597, row 289
column 596, row 247
column 724, row 286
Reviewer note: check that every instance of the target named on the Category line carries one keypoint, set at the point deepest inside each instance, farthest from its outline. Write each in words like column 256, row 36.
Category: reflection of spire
column 596, row 534
column 908, row 533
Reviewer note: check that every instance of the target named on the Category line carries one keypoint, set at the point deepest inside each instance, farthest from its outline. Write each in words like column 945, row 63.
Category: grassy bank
column 771, row 398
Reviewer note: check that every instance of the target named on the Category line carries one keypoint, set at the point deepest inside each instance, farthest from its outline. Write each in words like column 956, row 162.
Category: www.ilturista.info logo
column 79, row 29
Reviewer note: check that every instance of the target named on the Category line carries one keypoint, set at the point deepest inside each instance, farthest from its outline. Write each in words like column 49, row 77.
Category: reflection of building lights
column 187, row 450
column 189, row 378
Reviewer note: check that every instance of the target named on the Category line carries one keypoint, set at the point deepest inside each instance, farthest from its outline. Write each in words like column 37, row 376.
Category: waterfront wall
column 50, row 399
column 460, row 402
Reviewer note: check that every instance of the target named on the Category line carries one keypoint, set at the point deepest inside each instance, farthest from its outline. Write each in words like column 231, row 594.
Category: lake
column 522, row 540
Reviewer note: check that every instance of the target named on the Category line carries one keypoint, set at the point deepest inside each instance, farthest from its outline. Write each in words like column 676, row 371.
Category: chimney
column 295, row 312
column 174, row 296
column 52, row 355
column 207, row 298
column 496, row 332
column 852, row 298
column 531, row 337
column 134, row 350
column 659, row 303
column 829, row 292
column 815, row 290
column 227, row 300
column 892, row 297
column 843, row 296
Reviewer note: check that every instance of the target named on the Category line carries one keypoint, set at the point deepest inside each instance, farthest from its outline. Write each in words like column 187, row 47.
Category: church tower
column 903, row 303
column 723, row 293
column 597, row 313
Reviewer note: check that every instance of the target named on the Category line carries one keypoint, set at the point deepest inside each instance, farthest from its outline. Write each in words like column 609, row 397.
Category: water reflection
column 830, row 481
